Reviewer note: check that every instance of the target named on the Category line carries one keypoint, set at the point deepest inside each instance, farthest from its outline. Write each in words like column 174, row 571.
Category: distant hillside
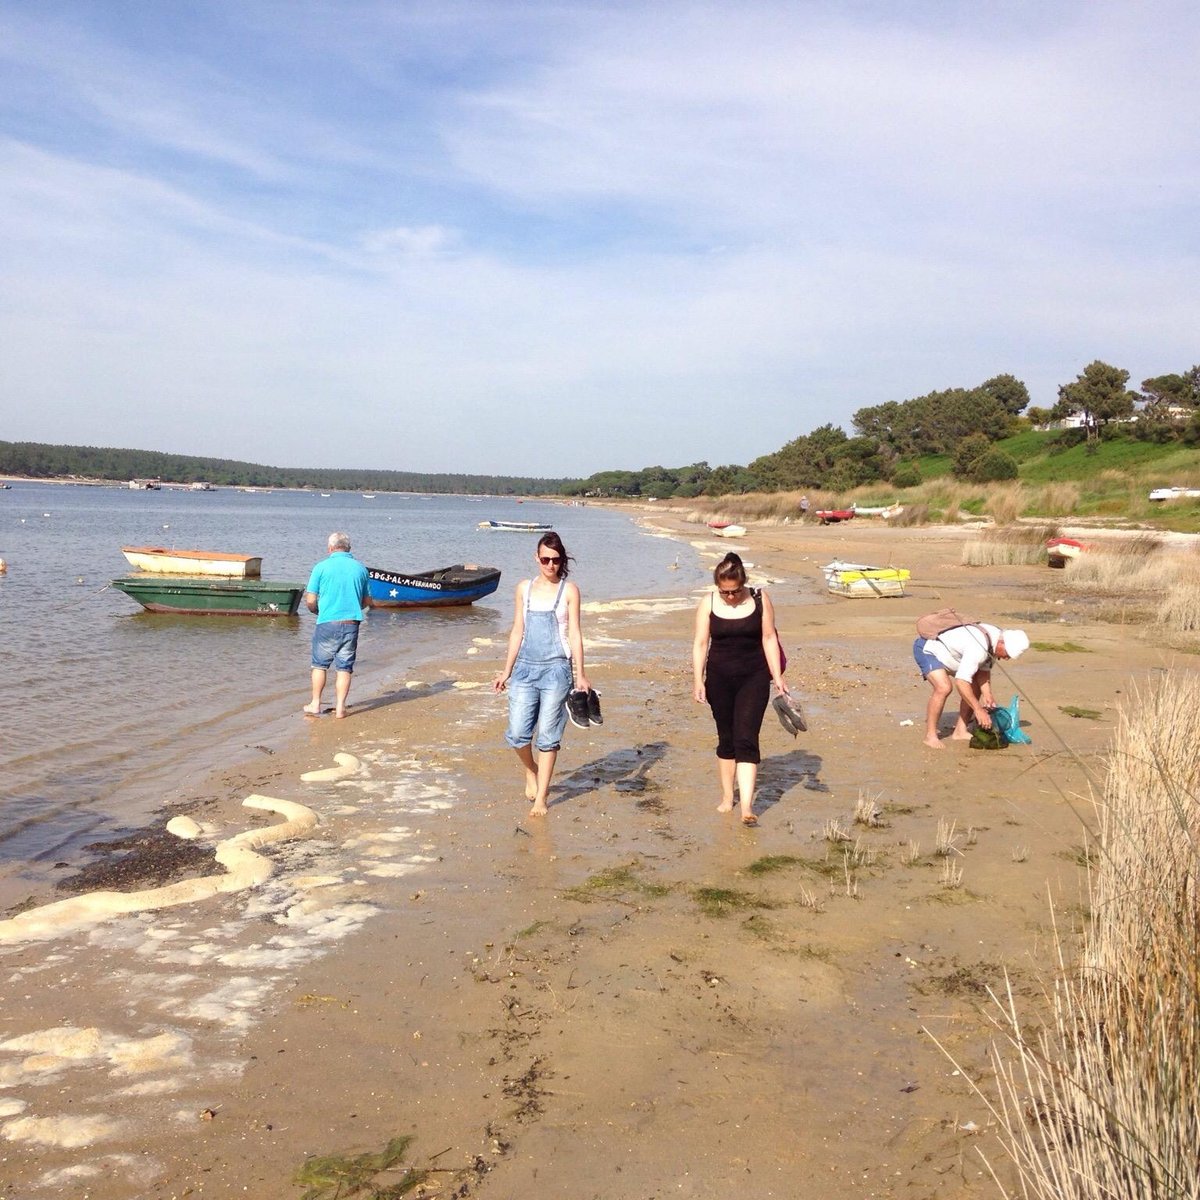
column 40, row 461
column 1044, row 457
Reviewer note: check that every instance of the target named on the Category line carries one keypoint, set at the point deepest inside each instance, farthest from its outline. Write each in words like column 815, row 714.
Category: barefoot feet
column 726, row 805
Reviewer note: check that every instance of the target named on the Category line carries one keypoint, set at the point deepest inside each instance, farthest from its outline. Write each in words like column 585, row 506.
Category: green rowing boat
column 201, row 596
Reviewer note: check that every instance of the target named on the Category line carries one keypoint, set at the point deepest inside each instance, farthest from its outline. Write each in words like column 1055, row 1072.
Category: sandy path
column 559, row 1005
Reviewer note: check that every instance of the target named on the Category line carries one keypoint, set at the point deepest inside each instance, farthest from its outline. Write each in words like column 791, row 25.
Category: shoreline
column 563, row 998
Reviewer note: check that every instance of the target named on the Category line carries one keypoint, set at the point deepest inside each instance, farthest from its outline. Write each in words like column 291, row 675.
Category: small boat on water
column 461, row 584
column 162, row 561
column 831, row 516
column 195, row 595
column 515, row 526
column 858, row 580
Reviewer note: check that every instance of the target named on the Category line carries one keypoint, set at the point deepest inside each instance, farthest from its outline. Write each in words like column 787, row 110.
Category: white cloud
column 629, row 234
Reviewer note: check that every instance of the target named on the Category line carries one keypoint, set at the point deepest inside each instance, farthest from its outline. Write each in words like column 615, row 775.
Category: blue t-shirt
column 340, row 583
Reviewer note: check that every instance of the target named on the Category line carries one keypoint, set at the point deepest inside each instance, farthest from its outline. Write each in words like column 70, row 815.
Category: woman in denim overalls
column 543, row 647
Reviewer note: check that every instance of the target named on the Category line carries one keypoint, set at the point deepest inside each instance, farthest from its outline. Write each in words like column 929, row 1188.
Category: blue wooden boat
column 461, row 584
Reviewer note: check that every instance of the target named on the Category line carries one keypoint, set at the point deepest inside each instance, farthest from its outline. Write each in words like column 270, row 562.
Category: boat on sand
column 831, row 516
column 160, row 560
column 859, row 580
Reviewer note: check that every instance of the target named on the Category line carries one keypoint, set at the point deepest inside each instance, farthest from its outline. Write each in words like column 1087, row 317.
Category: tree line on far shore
column 39, row 461
column 962, row 424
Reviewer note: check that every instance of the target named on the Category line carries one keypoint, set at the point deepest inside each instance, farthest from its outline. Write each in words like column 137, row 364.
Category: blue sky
column 558, row 237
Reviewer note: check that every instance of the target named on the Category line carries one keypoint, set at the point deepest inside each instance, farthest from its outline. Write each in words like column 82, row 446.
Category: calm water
column 111, row 711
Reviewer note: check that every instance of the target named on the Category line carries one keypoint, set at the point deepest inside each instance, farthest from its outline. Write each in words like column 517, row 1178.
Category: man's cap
column 1016, row 642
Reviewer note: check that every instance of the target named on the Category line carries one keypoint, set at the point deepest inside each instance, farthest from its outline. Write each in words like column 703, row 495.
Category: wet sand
column 633, row 997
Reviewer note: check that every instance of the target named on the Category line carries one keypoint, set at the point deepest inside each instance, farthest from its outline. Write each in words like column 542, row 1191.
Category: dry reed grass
column 1014, row 545
column 1130, row 565
column 1180, row 609
column 1097, row 1097
column 1004, row 504
column 1053, row 499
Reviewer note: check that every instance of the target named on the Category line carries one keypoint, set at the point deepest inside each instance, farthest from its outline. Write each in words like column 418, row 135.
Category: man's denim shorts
column 537, row 693
column 926, row 662
column 335, row 644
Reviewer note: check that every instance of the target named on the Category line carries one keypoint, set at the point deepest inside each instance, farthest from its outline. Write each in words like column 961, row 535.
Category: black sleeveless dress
column 737, row 681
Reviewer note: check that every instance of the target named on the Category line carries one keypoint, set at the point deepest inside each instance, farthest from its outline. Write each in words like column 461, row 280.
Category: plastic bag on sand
column 1008, row 722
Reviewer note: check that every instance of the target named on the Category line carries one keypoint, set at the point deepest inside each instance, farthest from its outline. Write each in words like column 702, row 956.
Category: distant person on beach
column 735, row 657
column 544, row 664
column 803, row 506
column 337, row 593
column 967, row 651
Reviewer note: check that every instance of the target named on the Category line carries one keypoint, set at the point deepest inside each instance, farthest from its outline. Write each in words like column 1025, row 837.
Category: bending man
column 968, row 651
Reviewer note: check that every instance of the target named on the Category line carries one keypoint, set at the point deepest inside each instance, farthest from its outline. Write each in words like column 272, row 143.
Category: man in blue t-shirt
column 337, row 593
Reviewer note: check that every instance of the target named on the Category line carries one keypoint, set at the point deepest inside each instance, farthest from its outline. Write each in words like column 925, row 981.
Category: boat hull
column 159, row 560
column 197, row 596
column 831, row 516
column 860, row 581
column 514, row 526
column 447, row 587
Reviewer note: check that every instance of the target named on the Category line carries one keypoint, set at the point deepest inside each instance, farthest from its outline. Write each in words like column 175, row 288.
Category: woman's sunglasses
column 547, row 559
column 731, row 591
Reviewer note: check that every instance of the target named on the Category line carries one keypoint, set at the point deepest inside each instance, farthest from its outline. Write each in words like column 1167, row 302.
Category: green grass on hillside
column 1156, row 464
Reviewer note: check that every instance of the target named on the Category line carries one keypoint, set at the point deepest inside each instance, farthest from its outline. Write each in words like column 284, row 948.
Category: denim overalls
column 540, row 680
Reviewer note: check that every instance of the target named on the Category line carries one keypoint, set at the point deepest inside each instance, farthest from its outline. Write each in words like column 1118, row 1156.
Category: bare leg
column 318, row 686
column 525, row 754
column 545, row 772
column 939, row 681
column 341, row 691
column 725, row 773
column 747, row 780
column 965, row 713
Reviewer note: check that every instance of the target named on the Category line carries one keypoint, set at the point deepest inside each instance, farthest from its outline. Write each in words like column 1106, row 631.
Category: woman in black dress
column 735, row 657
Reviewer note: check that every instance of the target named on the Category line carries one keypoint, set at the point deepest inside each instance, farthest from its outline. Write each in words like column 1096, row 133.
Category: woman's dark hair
column 730, row 567
column 555, row 543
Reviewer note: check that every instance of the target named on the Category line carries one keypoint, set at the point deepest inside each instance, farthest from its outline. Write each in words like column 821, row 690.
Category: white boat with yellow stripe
column 862, row 581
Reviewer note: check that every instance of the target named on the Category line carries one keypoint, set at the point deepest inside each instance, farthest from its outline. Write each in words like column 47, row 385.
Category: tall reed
column 1100, row 1098
column 1016, row 545
column 1130, row 565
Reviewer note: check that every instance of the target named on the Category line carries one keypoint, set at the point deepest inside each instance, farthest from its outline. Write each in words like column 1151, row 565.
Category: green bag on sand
column 987, row 739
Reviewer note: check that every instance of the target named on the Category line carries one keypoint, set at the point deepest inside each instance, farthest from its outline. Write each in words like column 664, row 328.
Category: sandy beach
column 631, row 998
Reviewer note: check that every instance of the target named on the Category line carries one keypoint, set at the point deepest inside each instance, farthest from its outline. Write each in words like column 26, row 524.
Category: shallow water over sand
column 112, row 711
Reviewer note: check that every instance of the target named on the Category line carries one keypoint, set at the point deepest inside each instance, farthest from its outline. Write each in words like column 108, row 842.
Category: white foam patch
column 49, row 1052
column 70, row 1133
column 152, row 1087
column 244, row 868
column 184, row 827
column 662, row 604
column 391, row 870
column 130, row 1168
column 347, row 765
column 271, row 957
column 468, row 685
column 10, row 1108
column 231, row 1005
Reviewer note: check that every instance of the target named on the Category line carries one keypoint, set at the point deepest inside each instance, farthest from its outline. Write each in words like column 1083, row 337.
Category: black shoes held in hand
column 790, row 714
column 583, row 708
